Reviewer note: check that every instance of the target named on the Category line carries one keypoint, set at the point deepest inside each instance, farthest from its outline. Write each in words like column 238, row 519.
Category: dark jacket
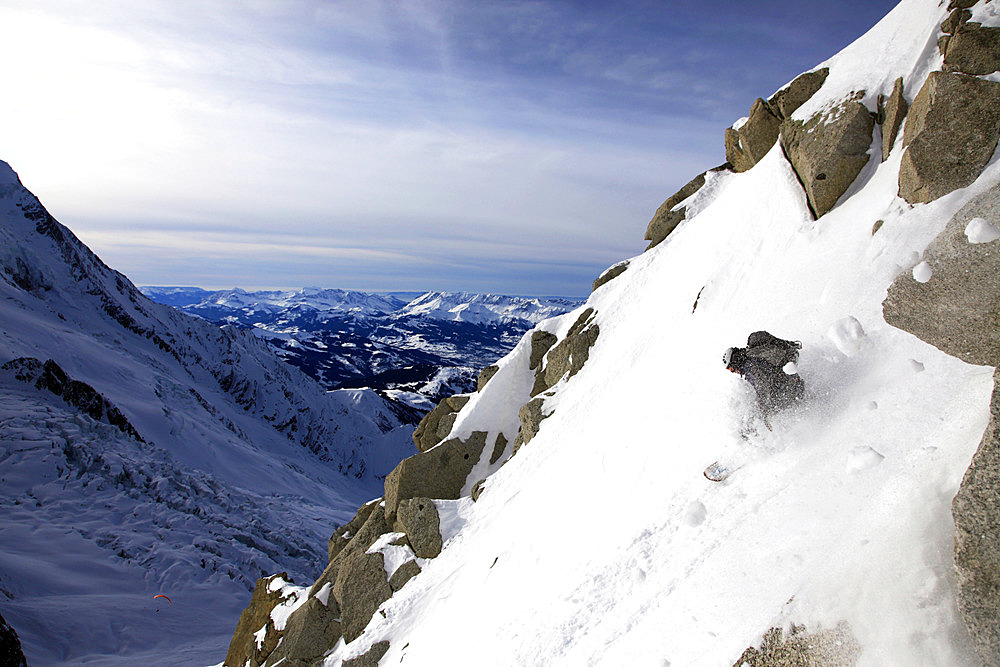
column 761, row 363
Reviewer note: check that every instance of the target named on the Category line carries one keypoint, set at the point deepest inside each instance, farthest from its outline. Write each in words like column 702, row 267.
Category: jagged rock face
column 826, row 648
column 371, row 530
column 950, row 136
column 972, row 48
column 499, row 447
column 610, row 274
column 418, row 518
column 829, row 151
column 976, row 510
column 11, row 654
column 570, row 355
column 244, row 646
column 361, row 586
column 956, row 309
column 370, row 657
column 437, row 473
column 311, row 631
column 436, row 424
column 892, row 116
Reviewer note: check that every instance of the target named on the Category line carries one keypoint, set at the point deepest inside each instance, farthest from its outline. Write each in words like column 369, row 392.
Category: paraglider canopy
column 164, row 597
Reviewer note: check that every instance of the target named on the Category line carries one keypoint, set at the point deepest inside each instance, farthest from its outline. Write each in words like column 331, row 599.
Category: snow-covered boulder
column 669, row 215
column 418, row 518
column 311, row 631
column 436, row 424
column 972, row 48
column 829, row 150
column 955, row 309
column 362, row 585
column 256, row 635
column 950, row 136
column 610, row 274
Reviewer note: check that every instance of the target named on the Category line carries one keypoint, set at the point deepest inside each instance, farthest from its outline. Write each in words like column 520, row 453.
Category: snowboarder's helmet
column 727, row 358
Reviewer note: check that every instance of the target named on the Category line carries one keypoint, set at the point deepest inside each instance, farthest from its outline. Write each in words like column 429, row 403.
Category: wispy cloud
column 382, row 132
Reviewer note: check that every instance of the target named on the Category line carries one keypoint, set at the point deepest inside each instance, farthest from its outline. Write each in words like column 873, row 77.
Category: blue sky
column 512, row 147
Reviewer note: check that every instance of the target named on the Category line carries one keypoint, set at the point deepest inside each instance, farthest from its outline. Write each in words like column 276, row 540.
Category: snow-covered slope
column 235, row 463
column 601, row 543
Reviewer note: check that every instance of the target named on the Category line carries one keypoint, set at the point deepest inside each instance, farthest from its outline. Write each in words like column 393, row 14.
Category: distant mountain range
column 410, row 346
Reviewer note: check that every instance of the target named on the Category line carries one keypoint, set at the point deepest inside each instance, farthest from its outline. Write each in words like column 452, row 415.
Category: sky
column 516, row 147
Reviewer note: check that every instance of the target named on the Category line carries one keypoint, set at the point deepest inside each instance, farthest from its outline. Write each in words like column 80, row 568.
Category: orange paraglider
column 164, row 597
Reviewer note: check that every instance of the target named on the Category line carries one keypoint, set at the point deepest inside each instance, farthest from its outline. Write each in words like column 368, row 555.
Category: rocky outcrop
column 751, row 141
column 436, row 424
column 568, row 357
column 437, row 473
column 826, row 648
column 374, row 527
column 49, row 376
column 950, row 136
column 956, row 309
column 747, row 144
column 403, row 574
column 342, row 536
column 829, row 150
column 245, row 646
column 610, row 274
column 310, row 631
column 976, row 510
column 11, row 654
column 485, row 376
column 530, row 416
column 666, row 219
column 361, row 586
column 370, row 657
column 891, row 114
column 968, row 47
column 418, row 518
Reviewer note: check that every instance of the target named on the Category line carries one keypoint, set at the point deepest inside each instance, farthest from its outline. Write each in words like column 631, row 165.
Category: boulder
column 826, row 648
column 418, row 518
column 748, row 144
column 610, row 274
column 785, row 102
column 541, row 342
column 829, row 150
column 437, row 424
column 244, row 647
column 477, row 489
column 973, row 49
column 976, row 510
column 666, row 219
column 956, row 310
column 570, row 355
column 436, row 473
column 310, row 631
column 403, row 574
column 11, row 654
column 892, row 117
column 499, row 447
column 531, row 417
column 343, row 535
column 950, row 136
column 961, row 4
column 361, row 586
column 485, row 376
column 370, row 657
column 374, row 527
column 955, row 19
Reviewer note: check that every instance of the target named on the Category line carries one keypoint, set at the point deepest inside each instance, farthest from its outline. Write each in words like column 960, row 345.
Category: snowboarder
column 764, row 363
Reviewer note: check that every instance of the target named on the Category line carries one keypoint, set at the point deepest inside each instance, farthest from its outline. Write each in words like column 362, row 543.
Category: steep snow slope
column 241, row 465
column 600, row 542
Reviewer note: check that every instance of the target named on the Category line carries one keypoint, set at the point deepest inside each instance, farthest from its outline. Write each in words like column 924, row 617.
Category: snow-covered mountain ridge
column 416, row 350
column 559, row 515
column 145, row 451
